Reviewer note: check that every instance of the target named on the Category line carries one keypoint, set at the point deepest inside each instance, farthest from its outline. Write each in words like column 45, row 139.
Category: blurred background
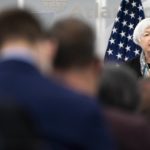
column 100, row 13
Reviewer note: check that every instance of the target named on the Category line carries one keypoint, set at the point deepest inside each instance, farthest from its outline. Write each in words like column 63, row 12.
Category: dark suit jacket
column 134, row 64
column 132, row 131
column 65, row 119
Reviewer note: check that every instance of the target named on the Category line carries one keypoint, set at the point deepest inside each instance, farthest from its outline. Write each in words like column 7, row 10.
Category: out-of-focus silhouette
column 120, row 95
column 119, row 88
column 132, row 131
column 61, row 117
column 75, row 63
column 16, row 128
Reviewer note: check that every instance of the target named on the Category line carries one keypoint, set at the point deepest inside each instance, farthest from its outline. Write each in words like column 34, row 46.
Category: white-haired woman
column 141, row 36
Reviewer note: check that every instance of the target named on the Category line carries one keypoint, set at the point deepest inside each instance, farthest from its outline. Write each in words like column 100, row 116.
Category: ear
column 51, row 48
column 139, row 41
column 46, row 53
column 98, row 66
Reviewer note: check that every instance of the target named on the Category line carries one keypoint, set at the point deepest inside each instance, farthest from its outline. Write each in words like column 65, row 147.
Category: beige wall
column 100, row 13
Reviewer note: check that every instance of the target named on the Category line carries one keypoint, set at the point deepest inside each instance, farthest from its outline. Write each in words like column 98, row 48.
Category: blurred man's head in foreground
column 17, row 24
column 75, row 59
column 76, row 42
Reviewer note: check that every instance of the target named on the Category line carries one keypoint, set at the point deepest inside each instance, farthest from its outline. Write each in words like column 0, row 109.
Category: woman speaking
column 141, row 36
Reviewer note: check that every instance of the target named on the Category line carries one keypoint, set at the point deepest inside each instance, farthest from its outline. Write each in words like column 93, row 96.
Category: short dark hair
column 18, row 23
column 76, row 43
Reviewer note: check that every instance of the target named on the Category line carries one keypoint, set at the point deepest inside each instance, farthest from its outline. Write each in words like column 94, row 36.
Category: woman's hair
column 139, row 29
column 119, row 88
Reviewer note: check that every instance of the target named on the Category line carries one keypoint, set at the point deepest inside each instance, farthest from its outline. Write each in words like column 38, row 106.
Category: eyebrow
column 146, row 31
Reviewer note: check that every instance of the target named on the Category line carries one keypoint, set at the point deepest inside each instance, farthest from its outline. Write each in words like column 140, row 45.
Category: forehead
column 147, row 29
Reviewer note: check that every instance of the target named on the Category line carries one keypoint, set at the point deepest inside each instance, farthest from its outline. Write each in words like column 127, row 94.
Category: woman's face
column 145, row 41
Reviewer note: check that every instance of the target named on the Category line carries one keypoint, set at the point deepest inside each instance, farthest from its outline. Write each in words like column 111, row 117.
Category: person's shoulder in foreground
column 62, row 117
column 74, row 116
column 132, row 130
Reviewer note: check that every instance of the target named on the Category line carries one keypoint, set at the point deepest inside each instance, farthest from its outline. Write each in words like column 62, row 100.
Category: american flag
column 121, row 47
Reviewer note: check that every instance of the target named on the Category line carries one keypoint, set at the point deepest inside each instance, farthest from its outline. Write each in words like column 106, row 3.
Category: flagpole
column 20, row 4
column 100, row 28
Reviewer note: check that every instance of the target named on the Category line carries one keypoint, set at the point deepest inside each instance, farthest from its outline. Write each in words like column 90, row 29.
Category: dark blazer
column 65, row 119
column 132, row 131
column 134, row 64
column 16, row 128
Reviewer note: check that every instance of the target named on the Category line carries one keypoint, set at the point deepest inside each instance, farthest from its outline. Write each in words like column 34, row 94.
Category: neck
column 147, row 57
column 19, row 47
column 81, row 81
column 16, row 46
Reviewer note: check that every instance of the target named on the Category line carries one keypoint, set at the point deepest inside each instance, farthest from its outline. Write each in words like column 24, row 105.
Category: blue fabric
column 121, row 47
column 66, row 120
